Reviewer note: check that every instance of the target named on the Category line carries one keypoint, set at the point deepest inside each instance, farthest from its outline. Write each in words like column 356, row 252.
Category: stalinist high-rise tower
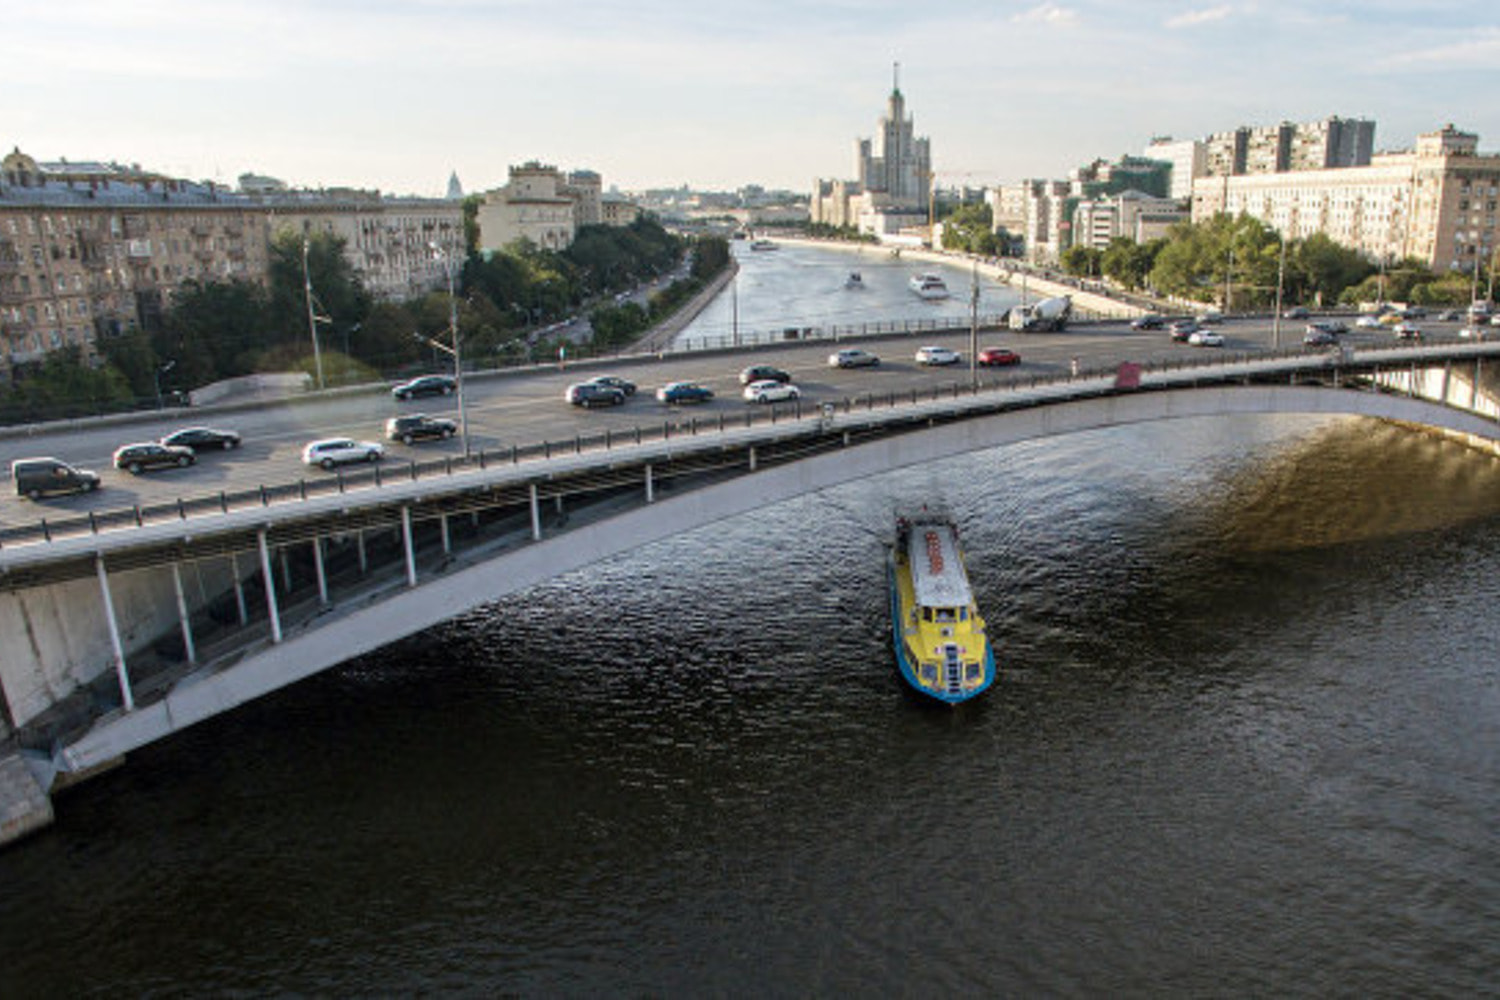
column 895, row 163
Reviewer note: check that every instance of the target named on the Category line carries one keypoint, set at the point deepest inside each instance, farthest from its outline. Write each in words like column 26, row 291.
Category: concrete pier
column 24, row 806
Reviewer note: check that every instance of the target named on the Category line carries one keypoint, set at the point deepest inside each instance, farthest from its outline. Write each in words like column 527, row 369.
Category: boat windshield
column 945, row 615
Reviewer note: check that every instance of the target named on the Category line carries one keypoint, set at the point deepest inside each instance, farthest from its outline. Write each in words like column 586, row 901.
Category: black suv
column 425, row 385
column 763, row 373
column 137, row 458
column 419, row 427
column 591, row 394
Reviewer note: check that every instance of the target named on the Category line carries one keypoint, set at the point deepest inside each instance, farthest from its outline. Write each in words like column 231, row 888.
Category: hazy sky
column 396, row 94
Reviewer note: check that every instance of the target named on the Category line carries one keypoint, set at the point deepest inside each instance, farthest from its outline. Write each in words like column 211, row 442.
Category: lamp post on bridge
column 457, row 349
column 161, row 370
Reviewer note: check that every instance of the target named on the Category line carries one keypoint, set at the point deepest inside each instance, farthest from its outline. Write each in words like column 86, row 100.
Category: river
column 1244, row 742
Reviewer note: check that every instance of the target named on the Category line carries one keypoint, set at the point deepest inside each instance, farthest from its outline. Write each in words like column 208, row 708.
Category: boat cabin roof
column 937, row 573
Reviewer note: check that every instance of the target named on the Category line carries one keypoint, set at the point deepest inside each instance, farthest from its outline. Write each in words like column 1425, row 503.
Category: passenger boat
column 762, row 245
column 941, row 646
column 854, row 280
column 929, row 286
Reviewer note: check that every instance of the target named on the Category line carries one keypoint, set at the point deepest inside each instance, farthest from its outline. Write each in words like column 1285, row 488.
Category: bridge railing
column 1217, row 368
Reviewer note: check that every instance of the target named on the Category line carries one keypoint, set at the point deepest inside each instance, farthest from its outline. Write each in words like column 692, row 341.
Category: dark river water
column 1245, row 742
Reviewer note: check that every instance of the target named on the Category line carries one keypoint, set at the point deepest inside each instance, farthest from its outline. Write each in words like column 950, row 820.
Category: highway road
column 528, row 408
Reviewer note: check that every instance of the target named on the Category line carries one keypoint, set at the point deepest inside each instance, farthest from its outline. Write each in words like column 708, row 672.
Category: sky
column 397, row 94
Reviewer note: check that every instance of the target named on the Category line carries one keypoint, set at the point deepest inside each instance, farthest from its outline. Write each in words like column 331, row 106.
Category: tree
column 1081, row 260
column 1321, row 269
column 215, row 330
column 337, row 291
column 1129, row 263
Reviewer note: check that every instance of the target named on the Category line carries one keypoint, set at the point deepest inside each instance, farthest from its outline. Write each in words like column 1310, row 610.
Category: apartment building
column 545, row 206
column 90, row 249
column 1436, row 202
column 1134, row 215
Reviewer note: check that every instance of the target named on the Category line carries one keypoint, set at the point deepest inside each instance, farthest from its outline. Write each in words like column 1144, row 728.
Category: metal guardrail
column 991, row 394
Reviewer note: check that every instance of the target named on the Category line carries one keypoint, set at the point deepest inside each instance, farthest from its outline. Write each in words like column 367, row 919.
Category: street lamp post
column 312, row 317
column 1280, row 281
column 161, row 370
column 457, row 350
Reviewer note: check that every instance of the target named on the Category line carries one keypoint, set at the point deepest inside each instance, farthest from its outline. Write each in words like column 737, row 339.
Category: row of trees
column 216, row 330
column 1241, row 259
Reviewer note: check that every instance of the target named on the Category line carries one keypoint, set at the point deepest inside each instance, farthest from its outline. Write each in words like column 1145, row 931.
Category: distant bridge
column 119, row 629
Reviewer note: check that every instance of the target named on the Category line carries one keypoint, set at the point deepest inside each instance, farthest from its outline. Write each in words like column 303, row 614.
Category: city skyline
column 398, row 96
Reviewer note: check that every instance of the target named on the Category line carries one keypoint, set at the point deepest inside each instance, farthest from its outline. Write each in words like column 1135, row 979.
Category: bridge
column 121, row 627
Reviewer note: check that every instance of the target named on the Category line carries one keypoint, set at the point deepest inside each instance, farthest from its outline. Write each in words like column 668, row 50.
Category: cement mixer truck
column 1048, row 315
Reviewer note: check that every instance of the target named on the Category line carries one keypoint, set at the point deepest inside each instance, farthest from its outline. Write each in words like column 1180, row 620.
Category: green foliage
column 710, row 256
column 1320, row 270
column 1128, row 263
column 970, row 228
column 65, row 385
column 823, row 231
column 615, row 326
column 1082, row 261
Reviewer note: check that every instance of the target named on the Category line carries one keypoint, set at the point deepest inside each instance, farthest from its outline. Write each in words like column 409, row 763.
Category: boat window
column 927, row 614
column 963, row 614
column 946, row 615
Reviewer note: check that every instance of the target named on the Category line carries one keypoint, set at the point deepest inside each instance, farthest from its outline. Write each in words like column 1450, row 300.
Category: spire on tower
column 896, row 78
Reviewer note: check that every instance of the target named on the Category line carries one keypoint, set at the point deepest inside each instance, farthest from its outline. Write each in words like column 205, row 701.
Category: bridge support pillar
column 364, row 557
column 1447, row 380
column 752, row 458
column 239, row 588
column 536, row 515
column 650, row 485
column 447, row 539
column 322, row 574
column 183, row 619
column 1474, row 388
column 269, row 579
column 126, row 697
column 406, row 544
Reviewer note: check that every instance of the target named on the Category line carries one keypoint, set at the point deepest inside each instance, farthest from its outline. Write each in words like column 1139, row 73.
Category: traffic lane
column 530, row 408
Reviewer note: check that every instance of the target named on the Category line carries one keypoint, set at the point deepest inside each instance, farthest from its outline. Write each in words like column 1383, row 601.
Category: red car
column 997, row 356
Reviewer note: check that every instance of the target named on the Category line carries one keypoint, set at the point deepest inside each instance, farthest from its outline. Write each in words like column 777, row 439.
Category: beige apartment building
column 546, row 207
column 1436, row 203
column 88, row 249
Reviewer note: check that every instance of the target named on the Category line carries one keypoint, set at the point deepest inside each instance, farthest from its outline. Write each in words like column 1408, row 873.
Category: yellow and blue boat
column 941, row 645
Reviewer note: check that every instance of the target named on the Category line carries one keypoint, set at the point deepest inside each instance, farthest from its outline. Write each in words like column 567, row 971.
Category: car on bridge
column 329, row 452
column 934, row 355
column 591, row 394
column 1316, row 336
column 425, row 385
column 1369, row 321
column 1181, row 330
column 39, row 477
column 1206, row 338
column 852, row 357
column 203, row 439
column 769, row 390
column 998, row 357
column 137, row 458
column 614, row 382
column 419, row 427
column 1296, row 312
column 1150, row 321
column 763, row 373
column 674, row 393
column 1407, row 331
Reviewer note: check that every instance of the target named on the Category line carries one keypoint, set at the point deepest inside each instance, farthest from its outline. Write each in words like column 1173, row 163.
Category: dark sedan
column 614, row 382
column 764, row 373
column 425, row 385
column 202, row 439
column 419, row 427
column 137, row 458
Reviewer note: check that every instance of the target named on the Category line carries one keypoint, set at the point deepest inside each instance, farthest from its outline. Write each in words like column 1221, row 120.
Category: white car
column 1367, row 322
column 1206, row 338
column 852, row 357
column 329, row 452
column 1472, row 332
column 770, row 391
column 937, row 356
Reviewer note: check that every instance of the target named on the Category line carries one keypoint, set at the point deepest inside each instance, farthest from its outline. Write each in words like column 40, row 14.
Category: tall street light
column 312, row 317
column 457, row 351
column 161, row 370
